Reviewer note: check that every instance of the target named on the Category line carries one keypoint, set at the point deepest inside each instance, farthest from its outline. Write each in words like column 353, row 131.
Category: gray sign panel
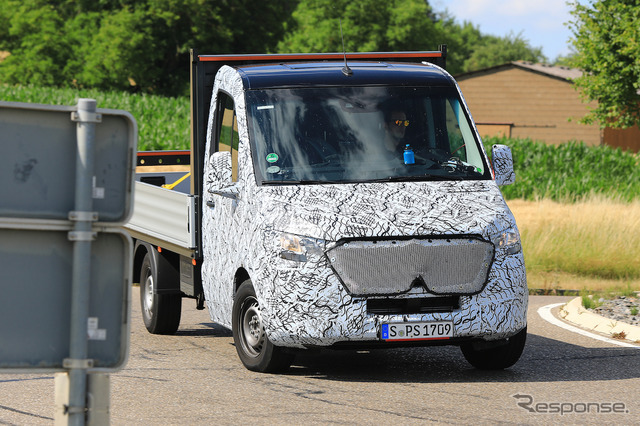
column 38, row 162
column 35, row 306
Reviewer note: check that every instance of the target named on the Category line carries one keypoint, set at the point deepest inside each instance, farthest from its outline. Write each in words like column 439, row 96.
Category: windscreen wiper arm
column 302, row 182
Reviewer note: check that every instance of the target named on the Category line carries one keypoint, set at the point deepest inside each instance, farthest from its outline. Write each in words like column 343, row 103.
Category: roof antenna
column 345, row 70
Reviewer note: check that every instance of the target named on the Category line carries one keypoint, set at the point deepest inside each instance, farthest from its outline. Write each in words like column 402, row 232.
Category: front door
column 221, row 232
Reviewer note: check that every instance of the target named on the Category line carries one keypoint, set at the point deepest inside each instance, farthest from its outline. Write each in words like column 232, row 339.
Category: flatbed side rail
column 437, row 56
column 164, row 217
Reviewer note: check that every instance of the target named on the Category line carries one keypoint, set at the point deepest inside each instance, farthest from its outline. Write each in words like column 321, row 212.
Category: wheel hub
column 148, row 293
column 252, row 330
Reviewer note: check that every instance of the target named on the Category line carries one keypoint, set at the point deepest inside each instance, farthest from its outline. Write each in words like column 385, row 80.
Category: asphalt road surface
column 195, row 377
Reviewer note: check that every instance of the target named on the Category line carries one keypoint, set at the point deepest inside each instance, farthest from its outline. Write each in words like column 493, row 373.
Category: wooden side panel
column 627, row 139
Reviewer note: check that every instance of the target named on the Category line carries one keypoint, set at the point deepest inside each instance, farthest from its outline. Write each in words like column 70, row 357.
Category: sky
column 541, row 22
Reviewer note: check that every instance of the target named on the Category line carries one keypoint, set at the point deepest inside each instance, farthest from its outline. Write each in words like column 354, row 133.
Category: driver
column 395, row 126
column 396, row 123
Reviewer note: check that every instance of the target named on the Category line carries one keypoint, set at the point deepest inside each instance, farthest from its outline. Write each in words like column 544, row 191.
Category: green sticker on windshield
column 272, row 158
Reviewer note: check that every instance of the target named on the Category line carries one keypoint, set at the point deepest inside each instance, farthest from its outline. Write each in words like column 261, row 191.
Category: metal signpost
column 65, row 263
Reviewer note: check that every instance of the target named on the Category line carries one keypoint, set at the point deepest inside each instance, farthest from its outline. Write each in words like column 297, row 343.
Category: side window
column 228, row 130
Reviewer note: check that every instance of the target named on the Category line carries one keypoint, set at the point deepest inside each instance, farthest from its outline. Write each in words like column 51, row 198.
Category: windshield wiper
column 455, row 165
column 301, row 182
column 416, row 178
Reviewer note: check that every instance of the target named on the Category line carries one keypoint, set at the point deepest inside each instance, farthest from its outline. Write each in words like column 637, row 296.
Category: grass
column 621, row 335
column 559, row 282
column 590, row 302
column 590, row 244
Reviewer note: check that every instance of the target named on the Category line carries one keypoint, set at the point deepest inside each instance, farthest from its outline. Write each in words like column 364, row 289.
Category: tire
column 498, row 357
column 160, row 312
column 255, row 350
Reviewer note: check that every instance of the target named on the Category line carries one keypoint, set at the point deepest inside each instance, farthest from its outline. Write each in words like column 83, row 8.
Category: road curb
column 575, row 313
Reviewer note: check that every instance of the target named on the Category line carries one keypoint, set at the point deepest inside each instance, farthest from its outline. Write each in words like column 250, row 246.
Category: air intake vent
column 409, row 306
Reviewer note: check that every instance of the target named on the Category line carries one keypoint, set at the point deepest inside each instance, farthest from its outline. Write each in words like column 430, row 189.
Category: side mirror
column 503, row 165
column 219, row 180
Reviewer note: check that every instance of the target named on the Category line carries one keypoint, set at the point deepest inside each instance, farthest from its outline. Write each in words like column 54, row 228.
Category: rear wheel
column 497, row 357
column 160, row 312
column 255, row 350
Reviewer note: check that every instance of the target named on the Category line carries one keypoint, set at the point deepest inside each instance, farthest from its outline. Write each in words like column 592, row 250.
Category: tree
column 565, row 60
column 389, row 25
column 129, row 44
column 368, row 25
column 607, row 44
column 37, row 31
column 492, row 51
column 461, row 41
column 470, row 50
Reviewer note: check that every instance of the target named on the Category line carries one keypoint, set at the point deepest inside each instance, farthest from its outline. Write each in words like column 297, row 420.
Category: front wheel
column 255, row 350
column 498, row 357
column 160, row 312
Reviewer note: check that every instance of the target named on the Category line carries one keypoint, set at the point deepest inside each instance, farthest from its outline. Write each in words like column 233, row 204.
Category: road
column 196, row 378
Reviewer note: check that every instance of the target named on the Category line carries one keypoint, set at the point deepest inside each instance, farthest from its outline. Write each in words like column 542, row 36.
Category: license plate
column 417, row 330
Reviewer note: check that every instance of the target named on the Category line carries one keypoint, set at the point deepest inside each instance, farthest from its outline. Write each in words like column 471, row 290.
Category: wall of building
column 535, row 106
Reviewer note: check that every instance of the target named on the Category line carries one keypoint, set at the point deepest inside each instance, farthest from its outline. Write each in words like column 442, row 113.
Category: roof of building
column 563, row 73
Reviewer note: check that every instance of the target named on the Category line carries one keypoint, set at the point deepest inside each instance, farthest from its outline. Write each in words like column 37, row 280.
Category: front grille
column 441, row 265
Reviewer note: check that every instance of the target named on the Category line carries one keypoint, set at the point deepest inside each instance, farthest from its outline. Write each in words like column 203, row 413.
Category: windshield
column 362, row 134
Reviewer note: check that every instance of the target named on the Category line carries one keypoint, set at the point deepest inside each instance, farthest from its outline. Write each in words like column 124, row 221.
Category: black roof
column 330, row 74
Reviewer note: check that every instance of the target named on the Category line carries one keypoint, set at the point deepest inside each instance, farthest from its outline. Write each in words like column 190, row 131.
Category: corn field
column 163, row 123
column 570, row 172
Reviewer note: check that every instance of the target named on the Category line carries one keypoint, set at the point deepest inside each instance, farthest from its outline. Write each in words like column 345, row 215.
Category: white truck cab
column 351, row 205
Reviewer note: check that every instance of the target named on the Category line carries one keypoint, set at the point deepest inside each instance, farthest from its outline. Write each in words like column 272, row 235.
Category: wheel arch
column 241, row 276
column 139, row 252
column 166, row 264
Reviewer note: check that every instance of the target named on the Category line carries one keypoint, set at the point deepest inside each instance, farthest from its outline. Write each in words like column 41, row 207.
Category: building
column 525, row 100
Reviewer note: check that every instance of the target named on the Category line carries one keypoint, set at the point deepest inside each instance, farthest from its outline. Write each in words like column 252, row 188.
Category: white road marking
column 545, row 313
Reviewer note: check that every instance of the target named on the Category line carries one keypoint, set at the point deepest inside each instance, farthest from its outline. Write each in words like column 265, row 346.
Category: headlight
column 297, row 248
column 291, row 243
column 509, row 241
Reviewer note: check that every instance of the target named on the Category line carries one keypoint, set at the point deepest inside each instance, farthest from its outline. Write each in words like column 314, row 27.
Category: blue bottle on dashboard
column 409, row 158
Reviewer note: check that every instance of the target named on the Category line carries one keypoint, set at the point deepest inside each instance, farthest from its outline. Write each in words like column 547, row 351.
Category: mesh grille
column 442, row 266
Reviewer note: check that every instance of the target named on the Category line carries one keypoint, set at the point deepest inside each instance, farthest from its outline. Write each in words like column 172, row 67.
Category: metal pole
column 82, row 236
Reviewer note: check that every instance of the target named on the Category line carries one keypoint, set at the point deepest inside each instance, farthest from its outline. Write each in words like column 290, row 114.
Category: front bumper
column 306, row 305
